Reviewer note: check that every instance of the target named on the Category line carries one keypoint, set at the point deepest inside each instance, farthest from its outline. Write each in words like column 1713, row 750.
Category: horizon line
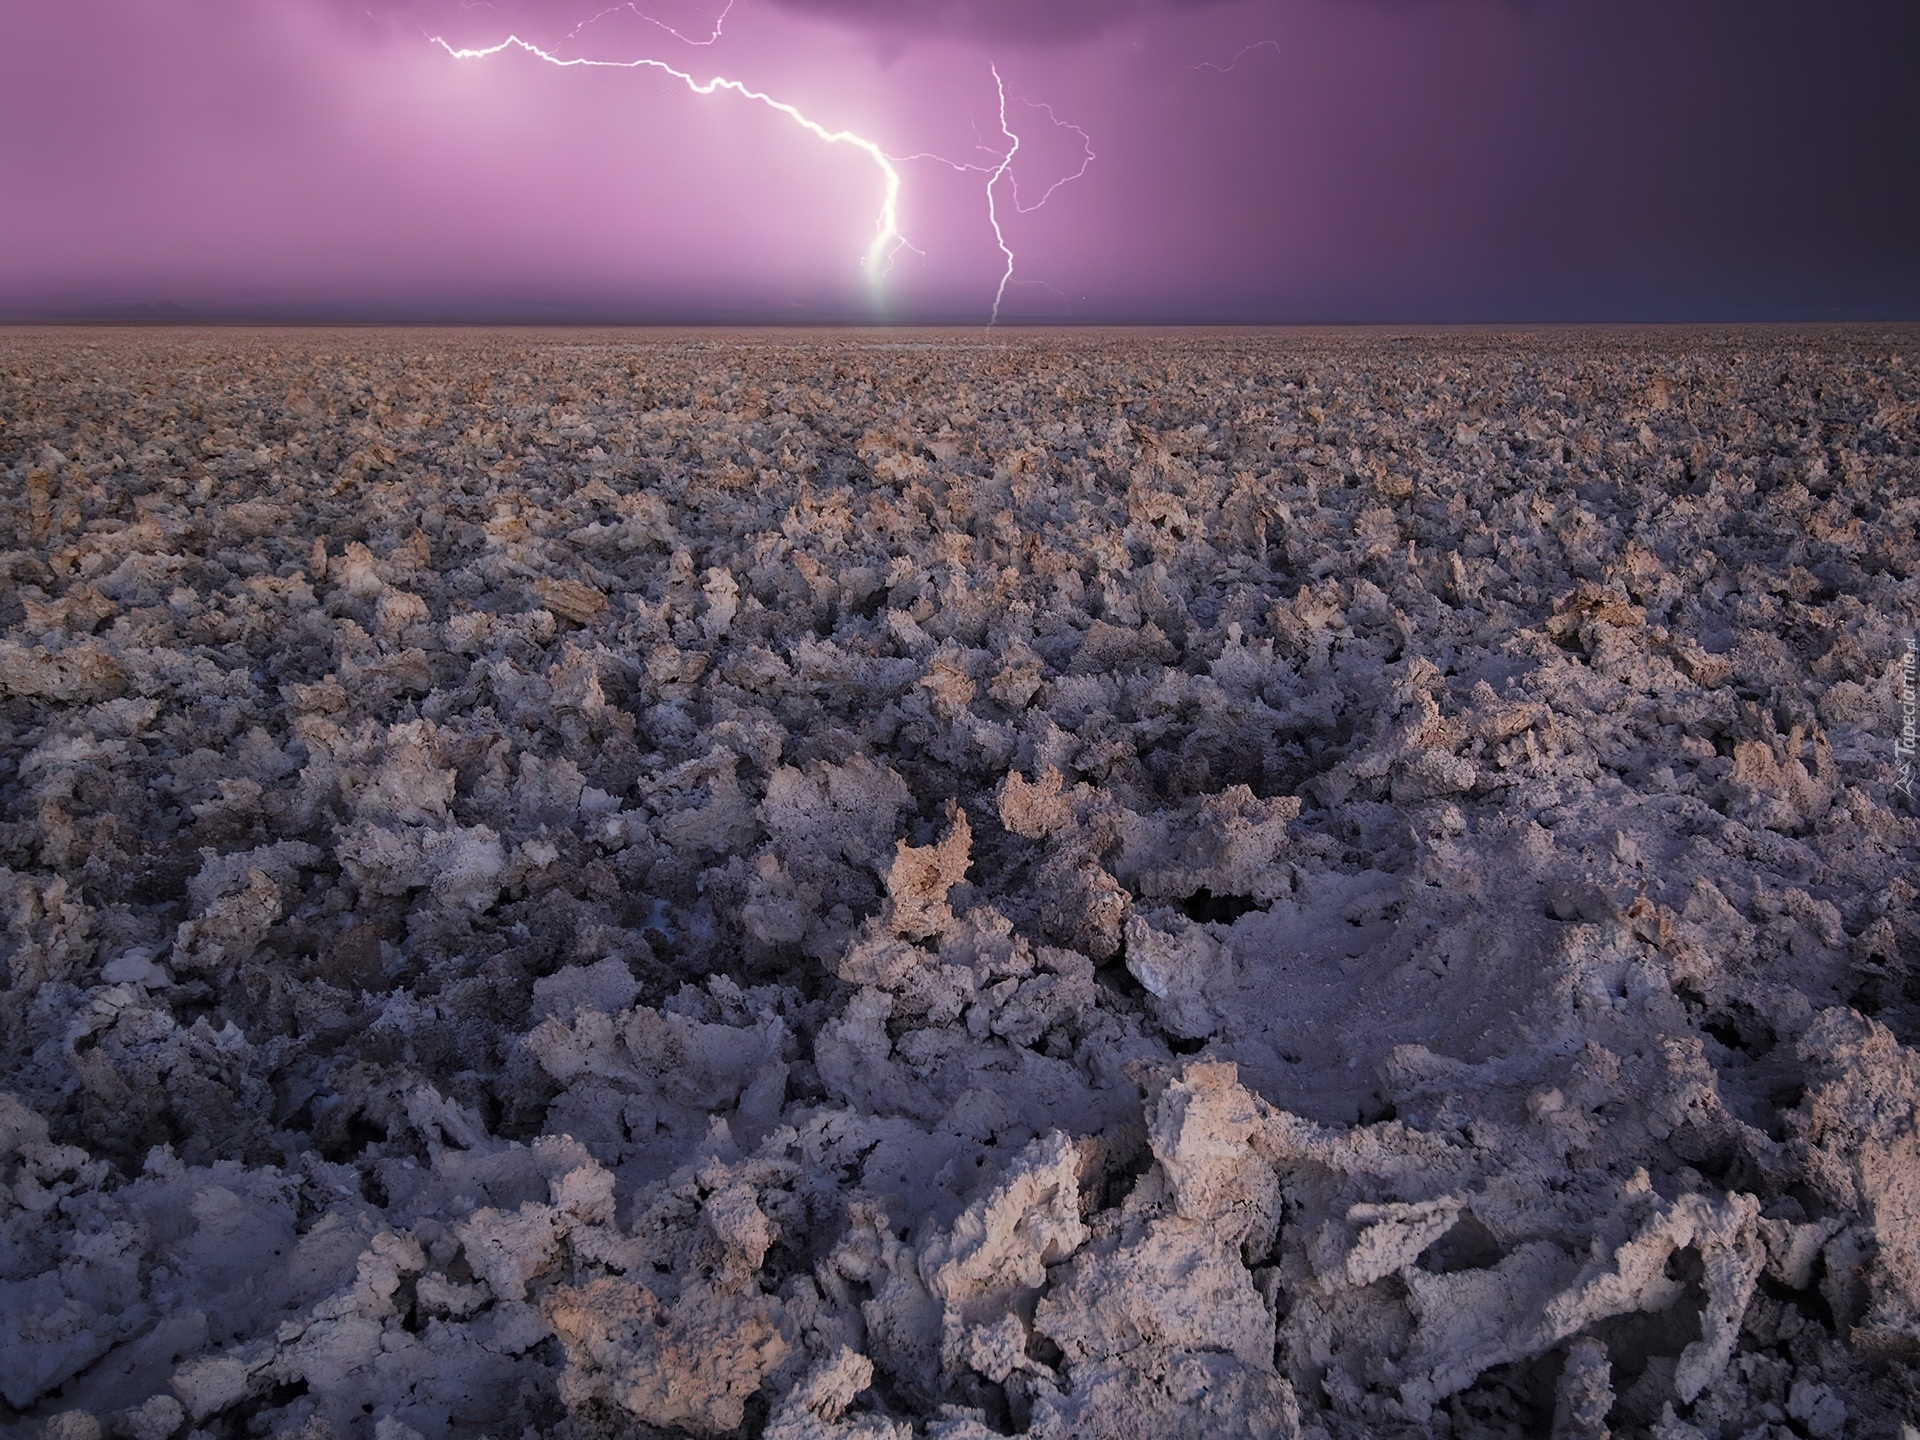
column 206, row 320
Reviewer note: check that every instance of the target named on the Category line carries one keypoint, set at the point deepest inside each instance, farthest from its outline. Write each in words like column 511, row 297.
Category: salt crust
column 1148, row 885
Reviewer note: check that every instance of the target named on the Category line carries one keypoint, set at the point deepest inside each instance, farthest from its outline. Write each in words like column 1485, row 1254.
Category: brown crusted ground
column 854, row 885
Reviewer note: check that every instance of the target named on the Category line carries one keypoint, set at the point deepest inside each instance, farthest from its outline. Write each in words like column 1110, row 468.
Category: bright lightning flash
column 887, row 240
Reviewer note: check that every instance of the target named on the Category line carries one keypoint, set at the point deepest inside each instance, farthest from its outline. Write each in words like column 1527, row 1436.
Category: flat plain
column 881, row 884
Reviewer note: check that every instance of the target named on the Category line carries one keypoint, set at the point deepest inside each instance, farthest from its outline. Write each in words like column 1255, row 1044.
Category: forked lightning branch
column 888, row 240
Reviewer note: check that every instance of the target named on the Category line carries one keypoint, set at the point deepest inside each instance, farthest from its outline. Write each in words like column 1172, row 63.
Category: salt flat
column 867, row 884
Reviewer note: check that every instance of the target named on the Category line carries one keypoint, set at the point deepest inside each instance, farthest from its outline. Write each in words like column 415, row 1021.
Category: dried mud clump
column 870, row 887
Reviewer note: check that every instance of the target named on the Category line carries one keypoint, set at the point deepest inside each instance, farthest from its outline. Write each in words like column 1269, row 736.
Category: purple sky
column 1392, row 160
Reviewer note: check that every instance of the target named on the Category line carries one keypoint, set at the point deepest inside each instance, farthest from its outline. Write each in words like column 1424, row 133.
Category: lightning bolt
column 718, row 23
column 1004, row 170
column 1244, row 51
column 1087, row 157
column 887, row 239
column 993, row 209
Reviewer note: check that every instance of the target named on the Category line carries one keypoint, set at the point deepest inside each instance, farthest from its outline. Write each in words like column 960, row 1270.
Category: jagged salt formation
column 1212, row 885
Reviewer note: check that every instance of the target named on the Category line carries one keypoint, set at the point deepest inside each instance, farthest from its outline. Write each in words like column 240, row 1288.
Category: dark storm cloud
column 1029, row 21
column 1020, row 21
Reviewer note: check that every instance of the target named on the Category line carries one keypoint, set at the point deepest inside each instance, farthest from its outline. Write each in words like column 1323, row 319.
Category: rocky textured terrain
column 856, row 886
